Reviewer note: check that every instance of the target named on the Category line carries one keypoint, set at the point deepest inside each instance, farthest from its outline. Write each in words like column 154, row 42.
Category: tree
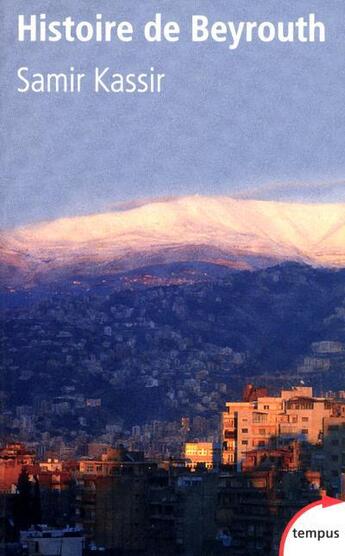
column 23, row 502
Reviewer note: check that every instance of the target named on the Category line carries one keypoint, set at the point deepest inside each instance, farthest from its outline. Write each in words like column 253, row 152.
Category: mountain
column 167, row 352
column 238, row 234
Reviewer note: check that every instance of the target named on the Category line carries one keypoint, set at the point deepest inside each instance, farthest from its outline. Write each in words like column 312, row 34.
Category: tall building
column 334, row 453
column 295, row 414
column 254, row 507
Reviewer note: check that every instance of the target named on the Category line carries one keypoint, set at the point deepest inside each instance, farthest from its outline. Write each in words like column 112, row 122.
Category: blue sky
column 265, row 120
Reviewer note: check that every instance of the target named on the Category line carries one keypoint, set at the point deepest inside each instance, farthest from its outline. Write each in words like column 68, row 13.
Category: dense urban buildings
column 275, row 455
column 89, row 360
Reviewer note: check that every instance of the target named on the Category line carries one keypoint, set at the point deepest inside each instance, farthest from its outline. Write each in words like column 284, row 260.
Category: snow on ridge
column 313, row 233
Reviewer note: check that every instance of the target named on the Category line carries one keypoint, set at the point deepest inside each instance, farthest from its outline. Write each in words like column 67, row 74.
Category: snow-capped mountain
column 241, row 234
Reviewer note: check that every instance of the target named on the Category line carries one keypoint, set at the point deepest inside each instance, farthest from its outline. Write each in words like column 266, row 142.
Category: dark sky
column 265, row 120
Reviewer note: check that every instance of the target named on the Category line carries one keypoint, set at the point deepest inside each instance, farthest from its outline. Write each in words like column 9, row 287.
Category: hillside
column 167, row 351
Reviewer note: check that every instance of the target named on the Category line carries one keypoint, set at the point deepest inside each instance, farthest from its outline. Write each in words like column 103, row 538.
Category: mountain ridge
column 242, row 234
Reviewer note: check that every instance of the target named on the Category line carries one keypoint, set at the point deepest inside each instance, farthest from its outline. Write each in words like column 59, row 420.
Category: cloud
column 306, row 192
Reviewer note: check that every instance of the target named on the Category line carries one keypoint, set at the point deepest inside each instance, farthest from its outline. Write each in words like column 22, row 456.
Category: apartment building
column 206, row 454
column 253, row 507
column 42, row 540
column 267, row 420
column 334, row 454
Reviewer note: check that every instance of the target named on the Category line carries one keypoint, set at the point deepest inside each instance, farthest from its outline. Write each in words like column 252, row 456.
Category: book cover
column 172, row 277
